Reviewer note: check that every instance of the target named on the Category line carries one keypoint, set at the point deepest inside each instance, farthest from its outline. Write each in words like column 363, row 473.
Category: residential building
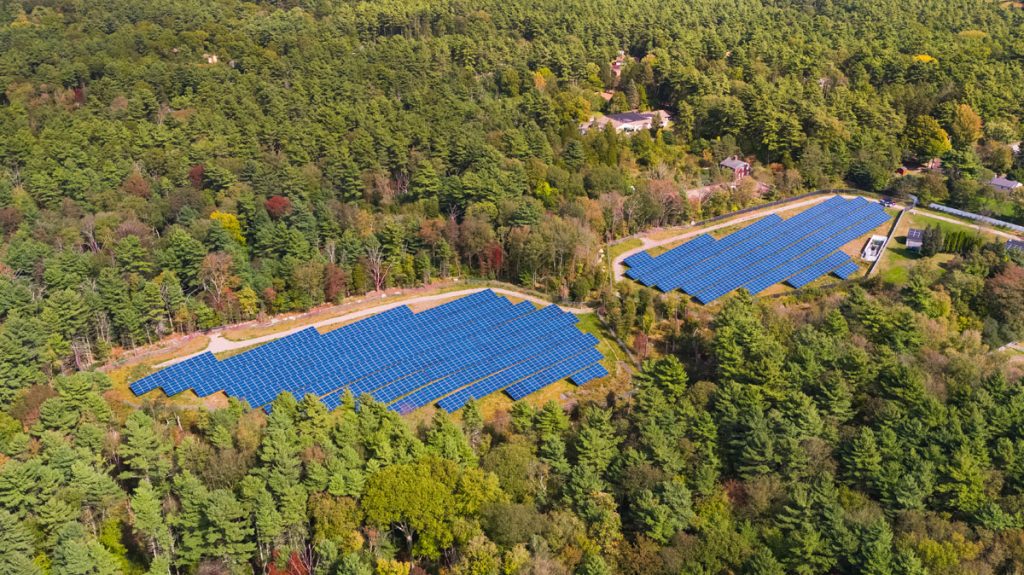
column 1004, row 184
column 739, row 168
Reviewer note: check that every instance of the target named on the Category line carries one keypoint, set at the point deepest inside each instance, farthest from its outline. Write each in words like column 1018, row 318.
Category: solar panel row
column 846, row 270
column 591, row 373
column 524, row 346
column 833, row 243
column 402, row 358
column 531, row 367
column 820, row 268
column 363, row 350
column 480, row 349
column 770, row 251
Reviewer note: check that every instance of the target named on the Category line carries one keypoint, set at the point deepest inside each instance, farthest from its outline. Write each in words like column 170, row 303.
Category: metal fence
column 976, row 217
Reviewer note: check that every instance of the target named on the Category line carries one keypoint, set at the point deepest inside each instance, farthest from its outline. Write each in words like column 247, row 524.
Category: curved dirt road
column 219, row 343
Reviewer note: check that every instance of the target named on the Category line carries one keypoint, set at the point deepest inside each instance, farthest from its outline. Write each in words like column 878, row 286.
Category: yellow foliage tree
column 393, row 567
column 230, row 224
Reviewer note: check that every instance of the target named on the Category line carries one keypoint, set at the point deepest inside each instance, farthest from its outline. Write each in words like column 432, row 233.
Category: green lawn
column 896, row 275
column 623, row 247
column 1000, row 209
column 946, row 227
column 899, row 260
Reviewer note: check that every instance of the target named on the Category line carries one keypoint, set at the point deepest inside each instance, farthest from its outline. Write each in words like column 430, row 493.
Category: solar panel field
column 773, row 250
column 465, row 349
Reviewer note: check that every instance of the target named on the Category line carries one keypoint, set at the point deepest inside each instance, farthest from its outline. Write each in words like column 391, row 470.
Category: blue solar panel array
column 797, row 251
column 461, row 350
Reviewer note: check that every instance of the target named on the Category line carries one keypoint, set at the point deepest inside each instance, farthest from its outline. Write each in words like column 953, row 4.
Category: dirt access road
column 989, row 229
column 219, row 343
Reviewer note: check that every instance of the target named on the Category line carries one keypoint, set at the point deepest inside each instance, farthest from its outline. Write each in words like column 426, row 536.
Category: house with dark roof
column 1004, row 184
column 1015, row 245
column 628, row 122
column 739, row 168
column 915, row 239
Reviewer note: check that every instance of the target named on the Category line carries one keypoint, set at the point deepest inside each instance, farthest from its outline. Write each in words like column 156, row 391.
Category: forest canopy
column 169, row 167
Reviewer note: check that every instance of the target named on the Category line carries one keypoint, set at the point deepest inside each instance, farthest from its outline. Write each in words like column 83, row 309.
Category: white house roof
column 1004, row 183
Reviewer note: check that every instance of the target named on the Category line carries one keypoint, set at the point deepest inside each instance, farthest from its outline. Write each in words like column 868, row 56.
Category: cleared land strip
column 218, row 343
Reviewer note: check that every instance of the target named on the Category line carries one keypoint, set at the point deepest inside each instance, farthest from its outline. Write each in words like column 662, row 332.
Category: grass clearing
column 622, row 247
column 899, row 260
column 135, row 368
column 233, row 352
column 667, row 233
column 922, row 221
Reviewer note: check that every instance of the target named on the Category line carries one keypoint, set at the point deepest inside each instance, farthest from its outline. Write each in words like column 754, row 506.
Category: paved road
column 219, row 343
column 648, row 243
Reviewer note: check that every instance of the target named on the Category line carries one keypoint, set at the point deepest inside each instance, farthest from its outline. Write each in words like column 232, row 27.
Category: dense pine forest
column 169, row 167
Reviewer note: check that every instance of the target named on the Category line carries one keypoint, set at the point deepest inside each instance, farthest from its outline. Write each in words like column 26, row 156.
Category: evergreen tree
column 597, row 442
column 16, row 548
column 228, row 532
column 148, row 520
column 144, row 453
column 864, row 462
column 876, row 557
column 446, row 440
column 77, row 553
